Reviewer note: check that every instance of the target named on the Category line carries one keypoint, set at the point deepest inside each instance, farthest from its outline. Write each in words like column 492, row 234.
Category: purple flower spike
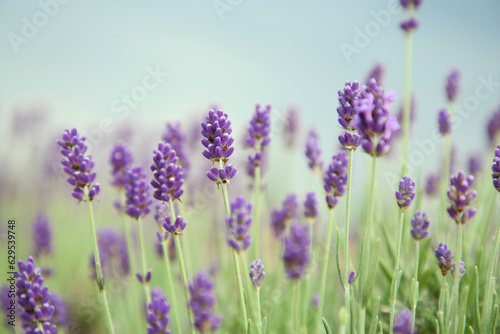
column 372, row 118
column 406, row 193
column 34, row 299
column 112, row 253
column 335, row 179
column 121, row 160
column 291, row 127
column 493, row 127
column 137, row 193
column 496, row 169
column 157, row 316
column 42, row 237
column 168, row 175
column 377, row 72
column 257, row 273
column 239, row 223
column 403, row 323
column 216, row 130
column 453, row 85
column 255, row 160
column 347, row 97
column 445, row 258
column 409, row 24
column 174, row 136
column 408, row 3
column 313, row 151
column 432, row 184
column 311, row 206
column 77, row 165
column 475, row 164
column 350, row 141
column 176, row 227
column 202, row 303
column 280, row 218
column 444, row 121
column 296, row 253
column 419, row 224
column 461, row 198
column 259, row 130
column 462, row 270
column 223, row 175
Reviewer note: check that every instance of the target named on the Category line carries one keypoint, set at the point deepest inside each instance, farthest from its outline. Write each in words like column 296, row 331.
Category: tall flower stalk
column 79, row 168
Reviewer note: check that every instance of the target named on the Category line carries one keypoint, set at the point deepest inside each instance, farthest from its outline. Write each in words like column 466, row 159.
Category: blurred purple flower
column 403, row 323
column 493, row 127
column 410, row 24
column 313, row 151
column 112, row 253
column 377, row 72
column 420, row 225
column 42, row 236
column 335, row 179
column 444, row 256
column 453, row 85
column 174, row 136
column 259, row 130
column 291, row 127
column 462, row 270
column 432, row 184
column 444, row 121
column 121, row 160
column 257, row 273
column 202, row 303
column 157, row 315
column 406, row 193
column 239, row 223
column 311, row 206
column 496, row 169
column 296, row 253
column 137, row 193
column 475, row 164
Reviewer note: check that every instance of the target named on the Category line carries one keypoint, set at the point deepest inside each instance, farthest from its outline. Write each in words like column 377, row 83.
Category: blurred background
column 119, row 70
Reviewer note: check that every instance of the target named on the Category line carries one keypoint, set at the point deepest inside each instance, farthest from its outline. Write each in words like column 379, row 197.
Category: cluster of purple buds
column 311, row 206
column 291, row 127
column 372, row 119
column 432, row 184
column 403, row 323
column 453, row 85
column 113, row 254
column 77, row 165
column 34, row 299
column 222, row 175
column 121, row 160
column 239, row 223
column 254, row 160
column 60, row 317
column 493, row 127
column 259, row 130
column 144, row 279
column 420, row 225
column 313, row 151
column 461, row 271
column 475, row 164
column 174, row 136
column 168, row 175
column 202, row 303
column 157, row 316
column 411, row 23
column 280, row 218
column 216, row 130
column 347, row 97
column 496, row 169
column 444, row 256
column 461, row 198
column 335, row 179
column 137, row 193
column 42, row 236
column 174, row 227
column 257, row 273
column 296, row 253
column 377, row 72
column 444, row 122
column 406, row 193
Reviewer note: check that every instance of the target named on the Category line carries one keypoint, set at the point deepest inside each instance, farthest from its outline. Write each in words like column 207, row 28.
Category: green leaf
column 250, row 327
column 477, row 314
column 339, row 270
column 360, row 261
column 371, row 273
column 373, row 325
column 264, row 325
column 494, row 322
column 380, row 327
column 327, row 328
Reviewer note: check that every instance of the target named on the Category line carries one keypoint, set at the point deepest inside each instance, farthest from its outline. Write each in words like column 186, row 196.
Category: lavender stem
column 407, row 101
column 394, row 292
column 346, row 243
column 417, row 258
column 456, row 282
column 173, row 300
column 145, row 284
column 256, row 212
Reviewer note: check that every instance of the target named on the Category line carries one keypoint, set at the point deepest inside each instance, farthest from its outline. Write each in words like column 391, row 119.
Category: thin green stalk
column 324, row 272
column 456, row 281
column 170, row 285
column 371, row 203
column 445, row 179
column 295, row 306
column 259, row 314
column 396, row 269
column 491, row 280
column 236, row 262
column 407, row 102
column 143, row 260
column 346, row 242
column 251, row 301
column 97, row 260
column 256, row 233
column 182, row 267
column 417, row 258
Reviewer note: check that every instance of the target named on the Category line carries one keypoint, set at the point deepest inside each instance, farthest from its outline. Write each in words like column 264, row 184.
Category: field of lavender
column 196, row 231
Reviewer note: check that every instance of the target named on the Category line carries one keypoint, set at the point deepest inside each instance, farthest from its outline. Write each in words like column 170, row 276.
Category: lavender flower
column 444, row 256
column 137, row 193
column 335, row 179
column 290, row 206
column 168, row 175
column 493, row 127
column 42, row 237
column 403, row 323
column 444, row 121
column 406, row 193
column 377, row 72
column 352, row 275
column 202, row 303
column 121, row 160
column 296, row 253
column 409, row 3
column 174, row 136
column 462, row 270
column 254, row 160
column 313, row 151
column 157, row 316
column 347, row 97
column 496, row 169
column 34, row 299
column 461, row 198
column 112, row 253
column 291, row 127
column 475, row 164
column 409, row 24
column 60, row 317
column 311, row 206
column 280, row 218
column 223, row 175
column 453, row 85
column 431, row 185
column 259, row 130
column 77, row 165
column 175, row 227
column 419, row 224
column 257, row 273
column 216, row 130
column 239, row 223
column 372, row 118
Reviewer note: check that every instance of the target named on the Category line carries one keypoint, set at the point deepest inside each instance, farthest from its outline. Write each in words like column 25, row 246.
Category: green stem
column 445, row 179
column 256, row 233
column 295, row 306
column 456, row 281
column 236, row 262
column 143, row 260
column 97, row 260
column 346, row 242
column 371, row 203
column 259, row 314
column 415, row 301
column 396, row 270
column 324, row 272
column 491, row 280
column 407, row 102
column 251, row 301
column 182, row 267
column 170, row 285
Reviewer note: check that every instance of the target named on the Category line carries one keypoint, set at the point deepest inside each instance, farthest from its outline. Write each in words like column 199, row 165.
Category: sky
column 78, row 59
